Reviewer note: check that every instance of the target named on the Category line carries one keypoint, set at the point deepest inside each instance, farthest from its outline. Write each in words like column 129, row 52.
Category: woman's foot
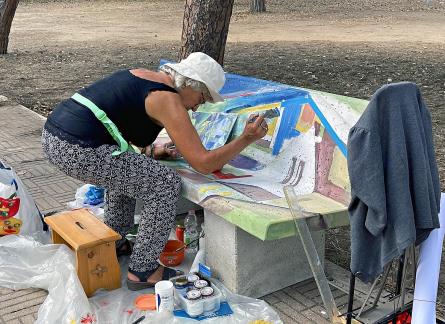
column 154, row 278
column 140, row 280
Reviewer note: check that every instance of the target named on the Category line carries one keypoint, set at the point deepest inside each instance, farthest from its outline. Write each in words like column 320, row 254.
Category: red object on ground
column 180, row 233
column 169, row 257
column 403, row 318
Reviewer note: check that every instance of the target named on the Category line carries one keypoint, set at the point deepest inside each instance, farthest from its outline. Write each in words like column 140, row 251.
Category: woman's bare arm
column 167, row 108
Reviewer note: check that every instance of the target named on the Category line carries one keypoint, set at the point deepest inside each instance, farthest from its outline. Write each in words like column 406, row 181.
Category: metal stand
column 399, row 294
column 350, row 299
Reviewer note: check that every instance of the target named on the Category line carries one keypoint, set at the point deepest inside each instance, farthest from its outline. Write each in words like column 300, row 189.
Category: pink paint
column 324, row 154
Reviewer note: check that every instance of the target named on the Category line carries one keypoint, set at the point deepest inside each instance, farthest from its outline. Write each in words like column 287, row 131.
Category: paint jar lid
column 200, row 284
column 206, row 291
column 145, row 302
column 193, row 294
column 191, row 278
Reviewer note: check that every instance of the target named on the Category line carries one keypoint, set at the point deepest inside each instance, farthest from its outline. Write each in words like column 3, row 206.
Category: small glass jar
column 181, row 285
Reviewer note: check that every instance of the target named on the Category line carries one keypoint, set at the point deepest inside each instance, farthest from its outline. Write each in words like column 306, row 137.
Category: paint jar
column 181, row 284
column 164, row 296
column 194, row 304
column 210, row 303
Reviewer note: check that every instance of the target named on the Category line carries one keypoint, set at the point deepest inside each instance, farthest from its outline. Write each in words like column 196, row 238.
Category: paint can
column 164, row 296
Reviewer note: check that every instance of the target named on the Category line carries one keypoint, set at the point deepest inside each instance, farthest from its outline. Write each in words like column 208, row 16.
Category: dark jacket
column 394, row 178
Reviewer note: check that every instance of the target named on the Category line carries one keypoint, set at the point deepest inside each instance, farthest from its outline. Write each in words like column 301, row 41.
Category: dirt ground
column 349, row 47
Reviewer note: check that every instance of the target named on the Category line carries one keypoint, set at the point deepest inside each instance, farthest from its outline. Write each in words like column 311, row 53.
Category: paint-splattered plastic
column 26, row 263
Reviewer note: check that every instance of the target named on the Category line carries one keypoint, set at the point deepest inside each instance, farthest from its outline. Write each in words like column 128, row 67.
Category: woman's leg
column 119, row 211
column 129, row 174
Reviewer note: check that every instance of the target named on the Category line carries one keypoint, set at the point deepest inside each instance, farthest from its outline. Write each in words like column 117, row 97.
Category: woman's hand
column 171, row 150
column 162, row 151
column 256, row 128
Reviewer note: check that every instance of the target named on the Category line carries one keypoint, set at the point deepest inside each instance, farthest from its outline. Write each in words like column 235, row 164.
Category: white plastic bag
column 79, row 202
column 18, row 211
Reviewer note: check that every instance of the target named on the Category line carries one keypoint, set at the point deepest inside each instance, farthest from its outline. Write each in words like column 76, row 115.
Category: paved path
column 51, row 189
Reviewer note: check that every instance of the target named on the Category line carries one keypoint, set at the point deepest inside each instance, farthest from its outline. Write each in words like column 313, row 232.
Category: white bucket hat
column 201, row 67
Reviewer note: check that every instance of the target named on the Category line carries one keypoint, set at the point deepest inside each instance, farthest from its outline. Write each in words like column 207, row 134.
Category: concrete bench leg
column 251, row 267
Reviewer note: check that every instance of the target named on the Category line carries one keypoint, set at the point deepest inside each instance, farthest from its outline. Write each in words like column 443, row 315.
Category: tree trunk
column 205, row 27
column 7, row 11
column 258, row 6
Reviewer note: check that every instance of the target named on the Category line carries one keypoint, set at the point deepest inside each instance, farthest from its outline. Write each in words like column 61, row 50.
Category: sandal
column 144, row 275
column 125, row 247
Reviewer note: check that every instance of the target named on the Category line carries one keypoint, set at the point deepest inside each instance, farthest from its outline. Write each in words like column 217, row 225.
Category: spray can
column 164, row 296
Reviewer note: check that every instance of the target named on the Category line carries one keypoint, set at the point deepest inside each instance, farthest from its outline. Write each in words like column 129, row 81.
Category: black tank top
column 122, row 97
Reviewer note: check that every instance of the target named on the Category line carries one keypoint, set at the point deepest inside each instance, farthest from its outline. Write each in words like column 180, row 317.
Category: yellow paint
column 319, row 204
column 338, row 174
column 272, row 126
column 204, row 189
column 306, row 119
column 250, row 110
column 73, row 321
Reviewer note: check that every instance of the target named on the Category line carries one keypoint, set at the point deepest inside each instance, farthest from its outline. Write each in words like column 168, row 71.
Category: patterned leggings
column 127, row 177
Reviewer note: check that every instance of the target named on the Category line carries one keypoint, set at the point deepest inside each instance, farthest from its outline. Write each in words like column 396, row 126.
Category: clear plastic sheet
column 26, row 263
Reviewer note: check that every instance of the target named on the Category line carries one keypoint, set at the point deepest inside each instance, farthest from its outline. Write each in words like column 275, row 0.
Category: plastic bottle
column 191, row 232
column 164, row 296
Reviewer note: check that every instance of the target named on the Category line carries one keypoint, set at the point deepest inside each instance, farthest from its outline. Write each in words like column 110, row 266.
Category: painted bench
column 250, row 233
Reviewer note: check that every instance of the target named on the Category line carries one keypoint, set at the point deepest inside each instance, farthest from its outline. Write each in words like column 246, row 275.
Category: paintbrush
column 185, row 245
column 140, row 319
column 270, row 113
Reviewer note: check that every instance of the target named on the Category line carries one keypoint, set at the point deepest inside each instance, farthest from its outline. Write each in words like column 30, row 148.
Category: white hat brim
column 190, row 73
